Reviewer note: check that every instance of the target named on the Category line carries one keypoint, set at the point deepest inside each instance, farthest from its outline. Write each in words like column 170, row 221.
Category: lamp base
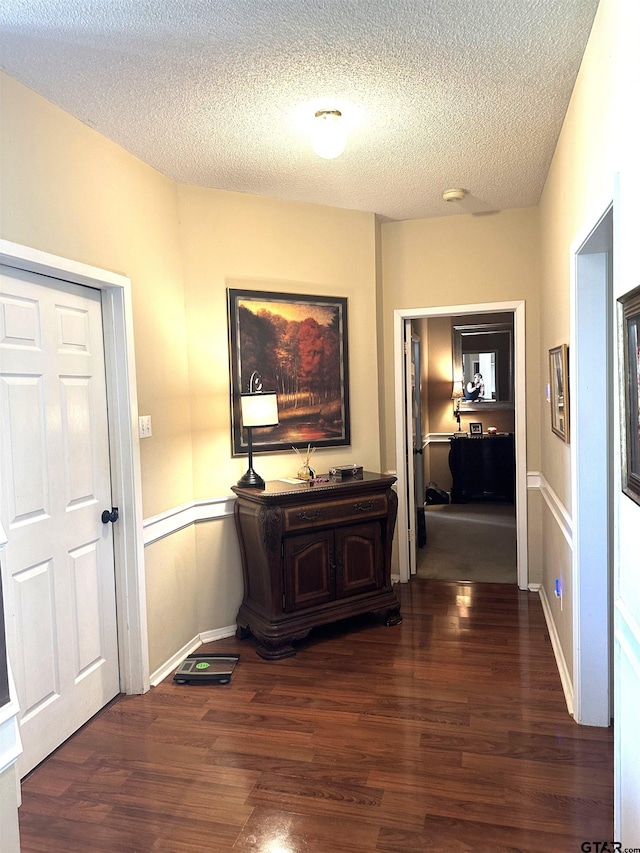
column 251, row 480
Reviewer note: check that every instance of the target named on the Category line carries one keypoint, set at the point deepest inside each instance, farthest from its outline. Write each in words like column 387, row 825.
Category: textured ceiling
column 220, row 93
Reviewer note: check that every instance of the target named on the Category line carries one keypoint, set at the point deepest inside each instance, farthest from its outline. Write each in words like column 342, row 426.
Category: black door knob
column 110, row 516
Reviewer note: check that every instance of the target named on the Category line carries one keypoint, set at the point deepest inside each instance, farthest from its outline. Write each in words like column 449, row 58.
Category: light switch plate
column 144, row 426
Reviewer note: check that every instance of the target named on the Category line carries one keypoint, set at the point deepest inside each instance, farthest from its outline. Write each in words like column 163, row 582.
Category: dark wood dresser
column 482, row 468
column 314, row 554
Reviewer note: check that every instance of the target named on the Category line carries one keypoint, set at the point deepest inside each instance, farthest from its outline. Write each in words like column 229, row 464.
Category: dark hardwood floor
column 446, row 733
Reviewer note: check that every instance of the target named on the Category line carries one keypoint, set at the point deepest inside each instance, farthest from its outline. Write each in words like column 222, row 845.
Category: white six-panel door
column 58, row 567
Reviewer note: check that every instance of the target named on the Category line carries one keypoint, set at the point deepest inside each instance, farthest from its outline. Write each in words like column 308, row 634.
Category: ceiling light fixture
column 454, row 194
column 329, row 134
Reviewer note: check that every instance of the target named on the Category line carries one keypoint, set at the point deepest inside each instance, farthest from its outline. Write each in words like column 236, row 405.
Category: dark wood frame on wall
column 630, row 396
column 298, row 346
column 559, row 390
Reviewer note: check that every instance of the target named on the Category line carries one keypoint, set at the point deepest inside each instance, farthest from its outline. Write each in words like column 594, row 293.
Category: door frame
column 409, row 469
column 399, row 318
column 418, row 465
column 126, row 483
column 592, row 462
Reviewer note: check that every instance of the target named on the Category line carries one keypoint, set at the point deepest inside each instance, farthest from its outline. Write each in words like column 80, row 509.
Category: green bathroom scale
column 206, row 669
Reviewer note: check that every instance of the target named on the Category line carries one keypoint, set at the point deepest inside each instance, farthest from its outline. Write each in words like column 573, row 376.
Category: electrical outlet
column 558, row 591
column 144, row 426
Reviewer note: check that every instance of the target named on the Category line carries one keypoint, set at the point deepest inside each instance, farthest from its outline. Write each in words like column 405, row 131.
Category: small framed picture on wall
column 475, row 428
column 559, row 389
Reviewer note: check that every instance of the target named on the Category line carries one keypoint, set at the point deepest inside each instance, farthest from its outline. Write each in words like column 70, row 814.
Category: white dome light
column 329, row 135
column 454, row 194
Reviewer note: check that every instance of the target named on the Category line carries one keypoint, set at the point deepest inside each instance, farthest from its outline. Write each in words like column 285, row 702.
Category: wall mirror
column 483, row 362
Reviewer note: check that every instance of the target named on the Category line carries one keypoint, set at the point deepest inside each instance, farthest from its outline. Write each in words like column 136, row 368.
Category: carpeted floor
column 474, row 542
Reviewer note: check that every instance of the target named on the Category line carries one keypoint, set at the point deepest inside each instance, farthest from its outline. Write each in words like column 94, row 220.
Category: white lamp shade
column 259, row 409
column 329, row 134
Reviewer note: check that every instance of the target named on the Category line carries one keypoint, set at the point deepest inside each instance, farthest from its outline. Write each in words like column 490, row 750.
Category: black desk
column 483, row 468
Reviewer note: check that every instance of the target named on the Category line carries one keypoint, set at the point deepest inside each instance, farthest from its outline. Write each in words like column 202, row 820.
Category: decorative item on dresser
column 313, row 554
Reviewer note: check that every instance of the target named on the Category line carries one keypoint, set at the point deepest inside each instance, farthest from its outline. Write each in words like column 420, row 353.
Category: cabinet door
column 359, row 559
column 309, row 576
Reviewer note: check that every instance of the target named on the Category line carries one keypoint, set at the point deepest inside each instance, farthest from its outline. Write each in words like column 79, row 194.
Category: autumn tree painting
column 297, row 346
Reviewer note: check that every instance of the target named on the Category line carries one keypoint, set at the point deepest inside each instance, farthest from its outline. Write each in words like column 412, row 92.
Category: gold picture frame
column 559, row 390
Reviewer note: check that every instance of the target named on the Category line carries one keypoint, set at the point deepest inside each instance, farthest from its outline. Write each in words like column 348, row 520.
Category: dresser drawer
column 317, row 514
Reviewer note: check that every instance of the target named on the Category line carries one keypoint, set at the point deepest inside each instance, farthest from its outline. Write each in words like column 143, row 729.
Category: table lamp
column 259, row 409
column 456, row 395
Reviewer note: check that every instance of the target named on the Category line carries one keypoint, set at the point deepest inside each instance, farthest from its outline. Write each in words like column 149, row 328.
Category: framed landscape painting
column 297, row 346
column 630, row 396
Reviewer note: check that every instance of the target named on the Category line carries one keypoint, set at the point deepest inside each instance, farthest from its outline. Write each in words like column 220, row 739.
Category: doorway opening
column 404, row 472
column 473, row 541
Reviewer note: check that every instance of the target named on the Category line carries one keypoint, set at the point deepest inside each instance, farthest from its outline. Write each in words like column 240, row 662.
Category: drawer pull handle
column 364, row 507
column 307, row 515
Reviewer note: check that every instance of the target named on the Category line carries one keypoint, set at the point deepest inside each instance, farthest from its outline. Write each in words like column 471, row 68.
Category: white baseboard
column 169, row 666
column 218, row 634
column 563, row 669
column 172, row 664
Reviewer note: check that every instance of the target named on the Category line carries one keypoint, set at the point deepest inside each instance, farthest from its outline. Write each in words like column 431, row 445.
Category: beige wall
column 580, row 180
column 69, row 191
column 458, row 260
column 436, row 374
column 462, row 260
column 437, row 333
column 579, row 185
column 236, row 240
